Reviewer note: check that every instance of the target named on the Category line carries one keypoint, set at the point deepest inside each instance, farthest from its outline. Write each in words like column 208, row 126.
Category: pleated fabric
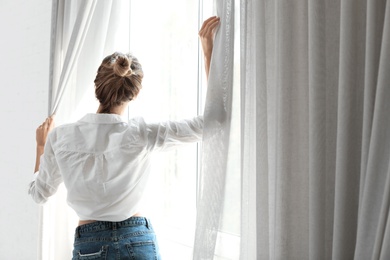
column 314, row 131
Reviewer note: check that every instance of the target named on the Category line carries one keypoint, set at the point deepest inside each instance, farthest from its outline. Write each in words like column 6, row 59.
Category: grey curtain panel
column 318, row 89
column 315, row 131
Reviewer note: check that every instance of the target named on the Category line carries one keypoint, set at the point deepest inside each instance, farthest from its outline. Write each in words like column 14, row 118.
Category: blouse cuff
column 31, row 186
column 33, row 191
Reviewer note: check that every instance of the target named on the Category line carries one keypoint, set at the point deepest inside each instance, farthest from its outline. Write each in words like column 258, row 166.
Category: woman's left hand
column 43, row 130
column 206, row 35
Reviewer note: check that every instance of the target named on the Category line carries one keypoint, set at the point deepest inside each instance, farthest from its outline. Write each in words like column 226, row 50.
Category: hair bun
column 121, row 66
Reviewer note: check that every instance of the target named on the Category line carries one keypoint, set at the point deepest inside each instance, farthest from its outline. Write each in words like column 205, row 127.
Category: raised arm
column 206, row 35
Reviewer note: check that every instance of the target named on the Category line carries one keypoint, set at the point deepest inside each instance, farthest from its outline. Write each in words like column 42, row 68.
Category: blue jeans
column 133, row 238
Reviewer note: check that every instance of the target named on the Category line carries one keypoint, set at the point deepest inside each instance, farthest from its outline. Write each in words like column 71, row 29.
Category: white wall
column 24, row 74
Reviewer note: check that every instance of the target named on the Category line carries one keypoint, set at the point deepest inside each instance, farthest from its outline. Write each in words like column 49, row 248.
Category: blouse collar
column 102, row 118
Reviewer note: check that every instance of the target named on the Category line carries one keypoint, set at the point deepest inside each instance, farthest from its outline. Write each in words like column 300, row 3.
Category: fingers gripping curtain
column 217, row 116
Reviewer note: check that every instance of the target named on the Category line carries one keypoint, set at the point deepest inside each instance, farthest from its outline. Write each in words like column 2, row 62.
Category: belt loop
column 147, row 223
column 113, row 225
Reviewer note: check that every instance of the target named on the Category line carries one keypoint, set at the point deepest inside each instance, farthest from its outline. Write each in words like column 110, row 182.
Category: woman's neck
column 119, row 110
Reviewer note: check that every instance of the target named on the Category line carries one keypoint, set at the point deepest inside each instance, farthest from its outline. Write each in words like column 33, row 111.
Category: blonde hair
column 118, row 80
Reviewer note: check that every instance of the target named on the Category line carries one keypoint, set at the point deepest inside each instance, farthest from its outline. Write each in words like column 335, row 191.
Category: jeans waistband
column 108, row 225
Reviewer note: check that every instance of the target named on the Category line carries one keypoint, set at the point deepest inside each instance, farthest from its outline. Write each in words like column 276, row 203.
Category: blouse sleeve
column 48, row 178
column 169, row 134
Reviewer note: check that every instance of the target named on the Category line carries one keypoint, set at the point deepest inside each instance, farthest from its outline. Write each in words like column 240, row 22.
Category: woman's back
column 104, row 162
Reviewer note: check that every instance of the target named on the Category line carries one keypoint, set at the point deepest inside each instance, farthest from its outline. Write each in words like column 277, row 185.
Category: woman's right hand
column 206, row 35
column 43, row 130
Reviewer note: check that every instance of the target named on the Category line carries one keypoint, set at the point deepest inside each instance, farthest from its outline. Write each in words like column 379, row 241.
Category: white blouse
column 104, row 162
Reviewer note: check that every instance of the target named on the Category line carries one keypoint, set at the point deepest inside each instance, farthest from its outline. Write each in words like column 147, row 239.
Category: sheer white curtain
column 83, row 32
column 315, row 132
column 216, row 136
column 68, row 36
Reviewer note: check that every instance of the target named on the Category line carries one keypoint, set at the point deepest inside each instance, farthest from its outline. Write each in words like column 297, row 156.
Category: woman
column 104, row 162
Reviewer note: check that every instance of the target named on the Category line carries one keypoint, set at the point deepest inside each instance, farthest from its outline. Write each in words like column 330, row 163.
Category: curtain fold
column 374, row 211
column 63, row 67
column 349, row 127
column 217, row 116
column 254, row 168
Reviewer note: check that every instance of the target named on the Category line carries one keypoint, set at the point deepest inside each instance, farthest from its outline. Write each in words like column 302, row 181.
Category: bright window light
column 164, row 37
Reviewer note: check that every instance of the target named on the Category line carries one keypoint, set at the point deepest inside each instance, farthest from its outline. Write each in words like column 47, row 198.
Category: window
column 163, row 36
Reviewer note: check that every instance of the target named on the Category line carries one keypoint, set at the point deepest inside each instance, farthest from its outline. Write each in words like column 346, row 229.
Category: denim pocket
column 142, row 250
column 101, row 254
